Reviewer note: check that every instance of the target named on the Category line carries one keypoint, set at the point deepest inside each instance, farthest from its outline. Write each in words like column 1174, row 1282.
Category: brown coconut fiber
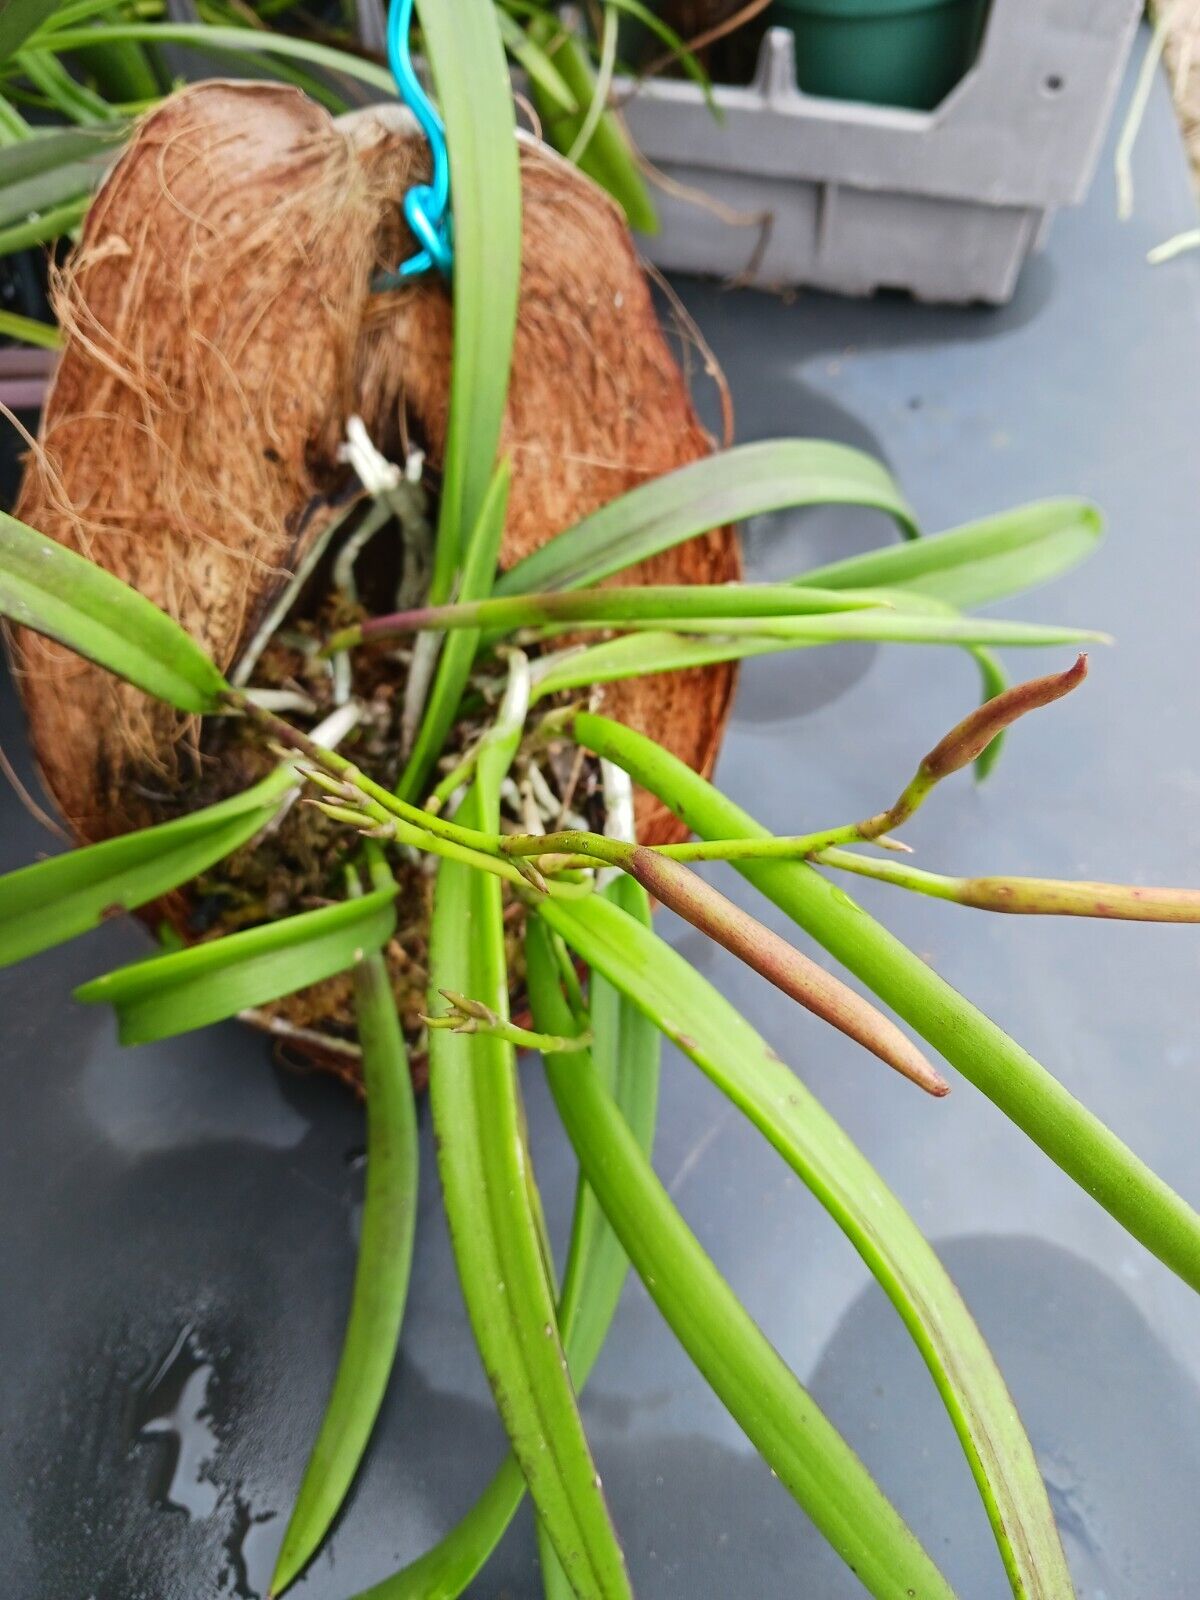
column 219, row 331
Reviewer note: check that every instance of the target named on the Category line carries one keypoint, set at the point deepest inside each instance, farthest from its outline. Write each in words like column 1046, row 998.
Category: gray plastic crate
column 946, row 204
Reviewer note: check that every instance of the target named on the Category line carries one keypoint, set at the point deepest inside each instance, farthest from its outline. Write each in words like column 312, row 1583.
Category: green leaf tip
column 54, row 591
column 187, row 989
column 381, row 1276
column 52, row 901
column 1065, row 1130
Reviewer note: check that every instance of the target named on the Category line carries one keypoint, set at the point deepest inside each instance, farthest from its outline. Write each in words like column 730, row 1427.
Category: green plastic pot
column 888, row 52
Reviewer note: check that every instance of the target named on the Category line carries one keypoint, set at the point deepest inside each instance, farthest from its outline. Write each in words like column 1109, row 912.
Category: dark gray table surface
column 188, row 1210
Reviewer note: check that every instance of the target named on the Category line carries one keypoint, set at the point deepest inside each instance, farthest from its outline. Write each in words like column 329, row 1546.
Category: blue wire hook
column 426, row 205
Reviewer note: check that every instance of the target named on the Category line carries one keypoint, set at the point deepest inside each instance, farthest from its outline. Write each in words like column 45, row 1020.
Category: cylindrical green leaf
column 470, row 73
column 728, row 486
column 188, row 989
column 235, row 41
column 739, row 1061
column 781, row 1419
column 1021, row 1087
column 625, row 1055
column 52, row 901
column 608, row 156
column 380, row 1278
column 18, row 20
column 625, row 1051
column 981, row 561
column 458, row 652
column 46, row 587
column 483, row 1161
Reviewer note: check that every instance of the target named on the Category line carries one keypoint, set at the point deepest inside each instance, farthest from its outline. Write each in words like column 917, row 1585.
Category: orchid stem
column 1046, row 897
column 473, row 1016
column 762, row 950
column 961, row 746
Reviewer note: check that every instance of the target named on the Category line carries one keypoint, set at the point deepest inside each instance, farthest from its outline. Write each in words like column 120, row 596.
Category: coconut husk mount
column 220, row 330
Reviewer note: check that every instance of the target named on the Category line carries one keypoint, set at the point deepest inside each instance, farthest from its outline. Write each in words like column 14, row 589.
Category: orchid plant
column 583, row 899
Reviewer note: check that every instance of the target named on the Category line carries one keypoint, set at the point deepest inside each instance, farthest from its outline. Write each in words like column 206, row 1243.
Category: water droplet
column 249, row 1556
column 596, row 1481
column 548, row 1330
column 173, row 1405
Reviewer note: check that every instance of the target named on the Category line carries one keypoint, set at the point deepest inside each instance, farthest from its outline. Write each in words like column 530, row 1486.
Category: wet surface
column 177, row 1221
column 173, row 1406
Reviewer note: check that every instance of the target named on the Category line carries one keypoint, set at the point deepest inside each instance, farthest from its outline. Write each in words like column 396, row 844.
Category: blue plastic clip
column 426, row 205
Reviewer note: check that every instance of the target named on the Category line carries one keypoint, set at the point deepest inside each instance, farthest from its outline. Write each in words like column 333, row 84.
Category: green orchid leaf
column 188, row 989
column 637, row 654
column 544, row 76
column 53, row 901
column 626, row 1052
column 1020, row 1086
column 495, row 1231
column 45, row 227
column 660, row 605
column 49, row 191
column 729, row 486
column 29, row 330
column 607, row 158
column 121, row 70
column 685, row 57
column 238, row 42
column 18, row 20
column 445, row 1571
column 48, row 151
column 981, row 561
column 787, row 1428
column 743, row 1066
column 876, row 624
column 466, row 55
column 381, row 1275
column 70, row 13
column 625, row 1058
column 56, row 86
column 596, row 103
column 46, row 587
column 458, row 653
